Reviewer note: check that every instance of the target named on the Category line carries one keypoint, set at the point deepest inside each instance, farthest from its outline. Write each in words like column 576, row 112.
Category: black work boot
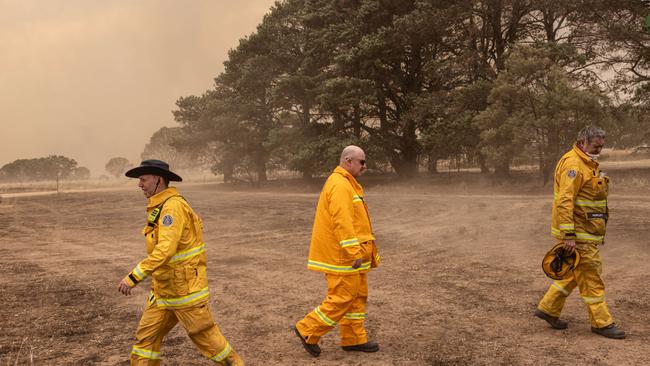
column 554, row 321
column 610, row 331
column 312, row 349
column 369, row 346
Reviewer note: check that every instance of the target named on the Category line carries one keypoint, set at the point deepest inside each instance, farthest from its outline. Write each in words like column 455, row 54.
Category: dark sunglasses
column 361, row 161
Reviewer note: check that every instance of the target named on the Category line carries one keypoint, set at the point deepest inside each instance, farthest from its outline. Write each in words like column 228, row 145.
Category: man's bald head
column 353, row 159
column 350, row 151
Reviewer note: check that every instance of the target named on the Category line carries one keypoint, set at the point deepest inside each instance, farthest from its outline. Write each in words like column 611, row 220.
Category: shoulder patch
column 167, row 220
column 572, row 173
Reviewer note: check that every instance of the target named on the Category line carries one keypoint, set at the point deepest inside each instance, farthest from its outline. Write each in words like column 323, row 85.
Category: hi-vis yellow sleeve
column 170, row 228
column 570, row 182
column 341, row 208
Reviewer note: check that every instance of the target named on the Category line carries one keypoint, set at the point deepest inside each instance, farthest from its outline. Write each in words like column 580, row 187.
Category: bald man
column 343, row 248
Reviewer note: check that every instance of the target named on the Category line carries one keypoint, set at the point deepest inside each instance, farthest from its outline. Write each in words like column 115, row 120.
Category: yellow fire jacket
column 342, row 231
column 580, row 199
column 175, row 252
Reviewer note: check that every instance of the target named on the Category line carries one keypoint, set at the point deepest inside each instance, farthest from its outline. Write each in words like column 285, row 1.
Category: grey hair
column 588, row 133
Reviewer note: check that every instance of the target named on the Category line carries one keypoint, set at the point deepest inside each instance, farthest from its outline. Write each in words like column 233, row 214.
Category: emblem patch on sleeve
column 572, row 173
column 167, row 220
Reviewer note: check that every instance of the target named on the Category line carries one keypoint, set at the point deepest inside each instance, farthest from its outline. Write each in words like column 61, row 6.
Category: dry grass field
column 459, row 280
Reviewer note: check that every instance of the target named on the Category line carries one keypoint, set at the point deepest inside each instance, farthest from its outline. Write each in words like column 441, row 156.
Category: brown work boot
column 369, row 346
column 610, row 331
column 554, row 321
column 312, row 349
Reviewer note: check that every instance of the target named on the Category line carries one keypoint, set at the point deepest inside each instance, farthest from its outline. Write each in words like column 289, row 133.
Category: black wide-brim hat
column 155, row 167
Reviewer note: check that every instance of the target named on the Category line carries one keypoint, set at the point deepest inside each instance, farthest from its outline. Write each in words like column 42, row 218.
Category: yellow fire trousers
column 199, row 325
column 592, row 289
column 344, row 305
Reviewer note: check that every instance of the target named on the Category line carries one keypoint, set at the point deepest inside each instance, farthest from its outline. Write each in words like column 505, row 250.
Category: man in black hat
column 177, row 264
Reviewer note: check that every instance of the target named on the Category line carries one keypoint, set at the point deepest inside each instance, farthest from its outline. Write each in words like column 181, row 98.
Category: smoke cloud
column 93, row 80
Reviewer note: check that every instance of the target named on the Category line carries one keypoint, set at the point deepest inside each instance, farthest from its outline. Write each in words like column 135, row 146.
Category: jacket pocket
column 196, row 278
column 598, row 226
column 161, row 283
column 180, row 281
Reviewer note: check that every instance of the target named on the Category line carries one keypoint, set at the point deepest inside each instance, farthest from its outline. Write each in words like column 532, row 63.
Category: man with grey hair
column 343, row 248
column 589, row 133
column 579, row 218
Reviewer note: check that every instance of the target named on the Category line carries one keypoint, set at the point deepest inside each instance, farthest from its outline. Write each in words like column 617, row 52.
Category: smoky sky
column 93, row 79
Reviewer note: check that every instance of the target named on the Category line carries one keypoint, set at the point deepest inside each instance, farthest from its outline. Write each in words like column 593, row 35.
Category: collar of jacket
column 161, row 197
column 349, row 176
column 589, row 161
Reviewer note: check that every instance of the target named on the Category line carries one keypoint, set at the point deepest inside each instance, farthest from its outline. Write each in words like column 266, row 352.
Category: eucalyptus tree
column 168, row 144
column 535, row 96
column 117, row 166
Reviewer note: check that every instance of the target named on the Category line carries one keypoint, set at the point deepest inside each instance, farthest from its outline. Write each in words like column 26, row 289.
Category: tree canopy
column 493, row 83
column 52, row 167
column 118, row 166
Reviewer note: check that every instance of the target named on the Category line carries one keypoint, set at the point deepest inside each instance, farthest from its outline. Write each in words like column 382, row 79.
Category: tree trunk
column 407, row 165
column 307, row 172
column 502, row 169
column 404, row 168
column 546, row 173
column 482, row 162
column 432, row 165
column 261, row 171
column 227, row 174
column 551, row 154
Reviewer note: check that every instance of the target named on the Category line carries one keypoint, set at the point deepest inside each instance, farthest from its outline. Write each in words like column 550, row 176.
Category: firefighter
column 176, row 263
column 579, row 219
column 343, row 248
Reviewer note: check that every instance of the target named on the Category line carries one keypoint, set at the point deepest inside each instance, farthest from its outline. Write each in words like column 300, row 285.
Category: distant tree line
column 117, row 166
column 52, row 167
column 492, row 83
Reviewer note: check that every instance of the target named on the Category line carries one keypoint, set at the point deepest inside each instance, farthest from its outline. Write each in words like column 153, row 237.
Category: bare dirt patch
column 459, row 280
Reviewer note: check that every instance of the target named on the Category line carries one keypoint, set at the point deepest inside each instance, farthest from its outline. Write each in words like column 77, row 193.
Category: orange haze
column 93, row 80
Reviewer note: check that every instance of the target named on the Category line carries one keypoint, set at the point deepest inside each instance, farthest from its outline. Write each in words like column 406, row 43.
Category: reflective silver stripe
column 223, row 354
column 349, row 242
column 331, row 267
column 181, row 301
column 560, row 288
column 567, row 226
column 355, row 316
column 589, row 203
column 138, row 273
column 357, row 198
column 590, row 237
column 188, row 253
column 153, row 355
column 324, row 317
column 593, row 300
